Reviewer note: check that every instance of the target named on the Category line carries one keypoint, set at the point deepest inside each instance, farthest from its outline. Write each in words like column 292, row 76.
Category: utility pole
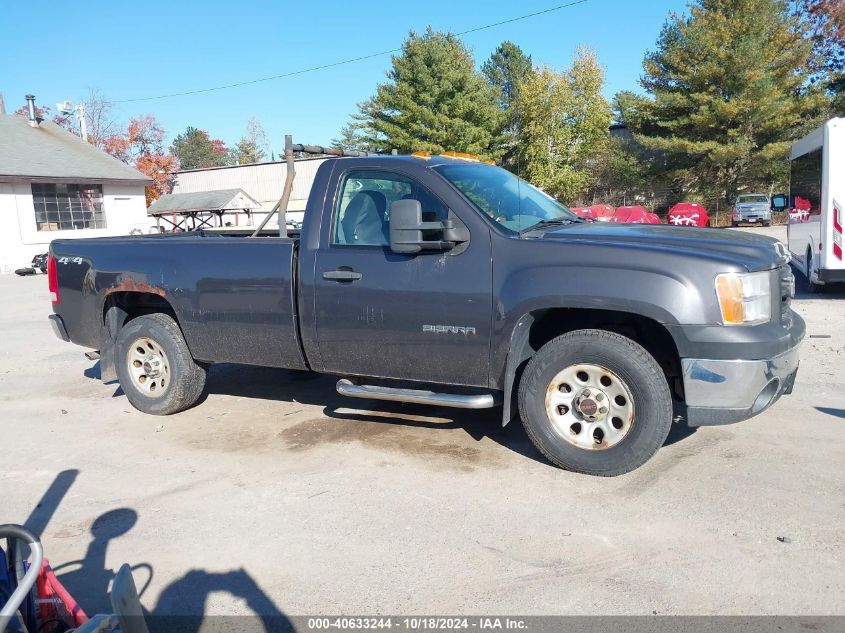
column 83, row 123
column 67, row 108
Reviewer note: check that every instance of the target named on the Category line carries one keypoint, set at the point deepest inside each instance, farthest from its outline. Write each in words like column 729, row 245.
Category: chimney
column 30, row 104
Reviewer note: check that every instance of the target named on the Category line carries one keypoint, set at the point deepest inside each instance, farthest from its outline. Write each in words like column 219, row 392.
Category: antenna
column 518, row 167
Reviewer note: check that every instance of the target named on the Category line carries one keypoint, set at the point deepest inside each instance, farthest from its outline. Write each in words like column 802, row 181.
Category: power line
column 345, row 61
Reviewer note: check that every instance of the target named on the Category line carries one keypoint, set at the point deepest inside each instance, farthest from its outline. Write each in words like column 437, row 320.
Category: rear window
column 752, row 199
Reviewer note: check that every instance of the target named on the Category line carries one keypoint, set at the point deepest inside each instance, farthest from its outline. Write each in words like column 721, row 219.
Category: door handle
column 342, row 275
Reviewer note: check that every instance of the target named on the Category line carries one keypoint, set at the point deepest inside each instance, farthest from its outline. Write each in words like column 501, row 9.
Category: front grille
column 787, row 292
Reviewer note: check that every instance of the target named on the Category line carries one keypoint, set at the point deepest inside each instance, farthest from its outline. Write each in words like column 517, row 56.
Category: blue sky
column 59, row 51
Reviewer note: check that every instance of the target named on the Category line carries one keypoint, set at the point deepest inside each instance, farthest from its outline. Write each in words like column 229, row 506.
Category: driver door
column 423, row 317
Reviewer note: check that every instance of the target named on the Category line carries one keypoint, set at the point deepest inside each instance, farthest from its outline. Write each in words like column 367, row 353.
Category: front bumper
column 726, row 391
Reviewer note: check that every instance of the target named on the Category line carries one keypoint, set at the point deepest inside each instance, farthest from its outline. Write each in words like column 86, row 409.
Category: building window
column 68, row 207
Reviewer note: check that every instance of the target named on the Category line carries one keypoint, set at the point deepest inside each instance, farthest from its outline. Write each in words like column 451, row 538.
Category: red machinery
column 585, row 213
column 634, row 215
column 602, row 212
column 688, row 214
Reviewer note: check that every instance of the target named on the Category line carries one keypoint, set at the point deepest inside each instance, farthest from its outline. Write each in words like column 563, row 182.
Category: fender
column 520, row 350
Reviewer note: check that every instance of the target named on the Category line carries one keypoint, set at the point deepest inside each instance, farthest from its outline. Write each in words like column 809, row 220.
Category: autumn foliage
column 142, row 146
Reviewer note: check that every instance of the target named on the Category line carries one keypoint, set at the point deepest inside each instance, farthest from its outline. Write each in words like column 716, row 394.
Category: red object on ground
column 583, row 212
column 634, row 215
column 621, row 214
column 602, row 212
column 688, row 214
column 57, row 610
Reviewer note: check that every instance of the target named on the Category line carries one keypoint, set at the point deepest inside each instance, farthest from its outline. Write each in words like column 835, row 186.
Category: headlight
column 745, row 298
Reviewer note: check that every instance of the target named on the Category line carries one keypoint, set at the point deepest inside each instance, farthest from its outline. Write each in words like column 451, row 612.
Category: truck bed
column 233, row 296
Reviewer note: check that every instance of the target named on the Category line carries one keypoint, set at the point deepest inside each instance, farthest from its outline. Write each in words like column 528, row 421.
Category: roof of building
column 48, row 152
column 221, row 200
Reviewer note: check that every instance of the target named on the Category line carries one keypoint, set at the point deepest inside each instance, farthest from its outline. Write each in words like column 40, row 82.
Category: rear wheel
column 155, row 367
column 595, row 402
column 813, row 284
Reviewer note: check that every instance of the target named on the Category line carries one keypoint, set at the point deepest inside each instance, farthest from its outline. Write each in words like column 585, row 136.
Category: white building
column 55, row 185
column 262, row 181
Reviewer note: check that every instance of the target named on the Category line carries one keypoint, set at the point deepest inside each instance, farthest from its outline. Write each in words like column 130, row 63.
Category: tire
column 179, row 380
column 812, row 286
column 767, row 224
column 734, row 224
column 634, row 372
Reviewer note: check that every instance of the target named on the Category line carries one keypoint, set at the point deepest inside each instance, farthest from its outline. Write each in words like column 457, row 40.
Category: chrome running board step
column 346, row 387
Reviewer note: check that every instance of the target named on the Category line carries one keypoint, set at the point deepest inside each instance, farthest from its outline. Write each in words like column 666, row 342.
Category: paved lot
column 276, row 495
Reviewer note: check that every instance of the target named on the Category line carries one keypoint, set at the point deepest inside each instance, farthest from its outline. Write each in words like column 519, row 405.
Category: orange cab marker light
column 462, row 155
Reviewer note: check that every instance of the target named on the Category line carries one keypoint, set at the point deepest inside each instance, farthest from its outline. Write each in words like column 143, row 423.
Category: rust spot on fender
column 131, row 285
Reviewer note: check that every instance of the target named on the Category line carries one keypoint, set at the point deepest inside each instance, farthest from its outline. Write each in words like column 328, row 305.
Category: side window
column 362, row 211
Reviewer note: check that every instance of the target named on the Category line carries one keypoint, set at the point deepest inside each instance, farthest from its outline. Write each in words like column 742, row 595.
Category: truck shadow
column 309, row 388
column 319, row 390
column 830, row 291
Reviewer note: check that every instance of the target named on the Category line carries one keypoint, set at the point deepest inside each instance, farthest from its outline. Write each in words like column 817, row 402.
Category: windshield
column 747, row 199
column 506, row 199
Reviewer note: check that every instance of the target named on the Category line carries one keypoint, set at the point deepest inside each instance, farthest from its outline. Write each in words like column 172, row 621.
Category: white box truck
column 817, row 204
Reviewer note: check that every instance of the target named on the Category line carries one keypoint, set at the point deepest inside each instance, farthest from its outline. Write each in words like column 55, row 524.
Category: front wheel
column 155, row 368
column 595, row 402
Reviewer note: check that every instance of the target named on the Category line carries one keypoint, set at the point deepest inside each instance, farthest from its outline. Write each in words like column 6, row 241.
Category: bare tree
column 100, row 116
column 253, row 146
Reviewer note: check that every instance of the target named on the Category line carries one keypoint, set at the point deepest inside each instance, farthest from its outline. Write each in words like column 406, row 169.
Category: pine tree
column 195, row 149
column 506, row 68
column 729, row 93
column 825, row 20
column 564, row 126
column 356, row 134
column 434, row 100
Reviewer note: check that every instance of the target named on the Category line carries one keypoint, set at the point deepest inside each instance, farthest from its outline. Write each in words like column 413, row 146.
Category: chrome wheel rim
column 590, row 406
column 148, row 367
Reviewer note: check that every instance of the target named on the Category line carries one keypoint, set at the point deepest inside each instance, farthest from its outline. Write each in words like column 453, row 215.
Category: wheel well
column 131, row 305
column 550, row 323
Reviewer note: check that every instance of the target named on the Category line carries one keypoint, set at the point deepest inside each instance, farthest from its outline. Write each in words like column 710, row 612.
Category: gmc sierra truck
column 447, row 281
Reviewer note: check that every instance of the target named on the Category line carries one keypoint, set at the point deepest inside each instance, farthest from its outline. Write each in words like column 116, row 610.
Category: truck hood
column 753, row 252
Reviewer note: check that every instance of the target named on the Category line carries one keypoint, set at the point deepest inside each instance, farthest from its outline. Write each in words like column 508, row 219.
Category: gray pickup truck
column 451, row 282
column 752, row 208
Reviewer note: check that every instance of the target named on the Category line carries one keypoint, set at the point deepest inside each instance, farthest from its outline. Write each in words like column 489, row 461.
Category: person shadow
column 88, row 579
column 182, row 603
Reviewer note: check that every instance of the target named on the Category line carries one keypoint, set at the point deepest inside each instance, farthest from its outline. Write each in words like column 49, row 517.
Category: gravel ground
column 275, row 495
